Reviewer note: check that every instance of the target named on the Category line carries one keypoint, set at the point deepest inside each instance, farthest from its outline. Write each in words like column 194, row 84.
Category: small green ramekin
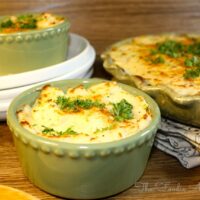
column 34, row 49
column 81, row 171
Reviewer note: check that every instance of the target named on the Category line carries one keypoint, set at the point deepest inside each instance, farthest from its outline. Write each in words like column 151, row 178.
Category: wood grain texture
column 164, row 178
column 104, row 22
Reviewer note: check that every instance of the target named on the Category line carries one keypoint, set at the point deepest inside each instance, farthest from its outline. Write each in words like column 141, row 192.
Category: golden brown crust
column 133, row 58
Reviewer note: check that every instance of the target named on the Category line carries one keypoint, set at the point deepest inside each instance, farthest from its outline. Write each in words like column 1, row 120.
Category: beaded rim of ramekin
column 89, row 151
column 34, row 35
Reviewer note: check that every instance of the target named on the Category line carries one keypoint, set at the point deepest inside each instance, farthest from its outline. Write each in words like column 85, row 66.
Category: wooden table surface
column 104, row 22
column 164, row 177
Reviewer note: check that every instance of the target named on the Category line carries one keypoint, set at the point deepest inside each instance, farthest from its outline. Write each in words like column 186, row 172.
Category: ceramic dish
column 82, row 171
column 79, row 52
column 28, row 50
column 4, row 103
column 87, row 72
column 180, row 107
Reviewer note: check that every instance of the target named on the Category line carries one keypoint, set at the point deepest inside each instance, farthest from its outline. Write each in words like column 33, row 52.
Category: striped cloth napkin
column 179, row 140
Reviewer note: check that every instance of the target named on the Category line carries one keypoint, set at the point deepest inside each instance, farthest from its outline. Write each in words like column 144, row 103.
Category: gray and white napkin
column 179, row 140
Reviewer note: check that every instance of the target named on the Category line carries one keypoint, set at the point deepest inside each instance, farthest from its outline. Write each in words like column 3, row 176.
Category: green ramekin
column 81, row 171
column 34, row 49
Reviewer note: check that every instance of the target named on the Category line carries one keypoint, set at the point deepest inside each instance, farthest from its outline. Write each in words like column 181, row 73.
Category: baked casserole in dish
column 83, row 139
column 167, row 67
column 32, row 41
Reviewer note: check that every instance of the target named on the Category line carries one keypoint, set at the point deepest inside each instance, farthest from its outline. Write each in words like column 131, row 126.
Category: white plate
column 78, row 53
column 5, row 102
column 4, row 106
column 76, row 73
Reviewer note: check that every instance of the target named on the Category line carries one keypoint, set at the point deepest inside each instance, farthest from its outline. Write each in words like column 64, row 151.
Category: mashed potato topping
column 101, row 113
column 29, row 22
column 168, row 60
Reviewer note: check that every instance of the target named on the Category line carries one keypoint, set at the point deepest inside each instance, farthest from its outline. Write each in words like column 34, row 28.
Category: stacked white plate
column 81, row 56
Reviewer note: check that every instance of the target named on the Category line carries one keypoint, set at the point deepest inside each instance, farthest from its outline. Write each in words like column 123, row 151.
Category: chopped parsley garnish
column 175, row 49
column 122, row 110
column 194, row 48
column 47, row 130
column 158, row 60
column 20, row 22
column 7, row 24
column 74, row 105
column 171, row 48
column 192, row 62
column 27, row 22
column 192, row 73
column 104, row 129
column 51, row 132
column 63, row 102
column 153, row 51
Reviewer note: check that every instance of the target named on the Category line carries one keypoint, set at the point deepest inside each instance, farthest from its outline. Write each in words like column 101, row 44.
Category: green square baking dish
column 82, row 171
